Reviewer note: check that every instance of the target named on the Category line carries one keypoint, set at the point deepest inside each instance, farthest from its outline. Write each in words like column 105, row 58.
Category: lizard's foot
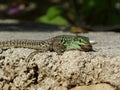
column 31, row 55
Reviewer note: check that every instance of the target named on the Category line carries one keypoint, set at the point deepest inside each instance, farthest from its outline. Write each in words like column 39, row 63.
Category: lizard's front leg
column 46, row 46
column 58, row 47
column 31, row 55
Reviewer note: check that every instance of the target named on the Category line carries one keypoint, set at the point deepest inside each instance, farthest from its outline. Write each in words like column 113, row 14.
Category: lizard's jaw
column 87, row 48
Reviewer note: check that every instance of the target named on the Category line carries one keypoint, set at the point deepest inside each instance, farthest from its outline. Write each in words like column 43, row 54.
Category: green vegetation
column 64, row 12
column 53, row 16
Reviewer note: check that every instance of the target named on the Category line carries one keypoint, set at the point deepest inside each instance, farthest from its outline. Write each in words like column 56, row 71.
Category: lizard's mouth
column 87, row 48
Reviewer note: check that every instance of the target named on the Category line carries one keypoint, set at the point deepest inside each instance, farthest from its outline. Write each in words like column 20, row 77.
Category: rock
column 95, row 87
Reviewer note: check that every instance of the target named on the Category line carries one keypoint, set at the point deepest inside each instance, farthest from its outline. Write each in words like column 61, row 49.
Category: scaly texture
column 58, row 44
column 33, row 44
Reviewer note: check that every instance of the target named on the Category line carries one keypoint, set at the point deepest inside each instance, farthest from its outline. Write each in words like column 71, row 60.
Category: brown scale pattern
column 34, row 44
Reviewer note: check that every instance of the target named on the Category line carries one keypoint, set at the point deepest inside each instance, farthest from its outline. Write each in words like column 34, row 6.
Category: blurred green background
column 63, row 12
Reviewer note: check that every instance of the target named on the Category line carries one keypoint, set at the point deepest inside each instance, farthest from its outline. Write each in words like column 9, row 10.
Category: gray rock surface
column 49, row 71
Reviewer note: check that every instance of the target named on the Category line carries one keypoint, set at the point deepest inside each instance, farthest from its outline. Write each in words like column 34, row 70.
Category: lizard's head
column 80, row 43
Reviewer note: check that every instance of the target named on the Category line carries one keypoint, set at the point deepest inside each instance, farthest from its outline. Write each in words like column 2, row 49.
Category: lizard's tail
column 20, row 43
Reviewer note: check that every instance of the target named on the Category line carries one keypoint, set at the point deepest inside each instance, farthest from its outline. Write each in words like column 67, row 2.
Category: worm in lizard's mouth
column 87, row 48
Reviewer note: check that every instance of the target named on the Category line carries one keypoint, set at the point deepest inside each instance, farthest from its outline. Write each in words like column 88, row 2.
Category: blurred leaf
column 42, row 19
column 54, row 11
column 53, row 16
column 59, row 20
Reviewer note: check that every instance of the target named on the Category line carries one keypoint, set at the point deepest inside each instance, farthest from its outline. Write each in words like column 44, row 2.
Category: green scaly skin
column 69, row 42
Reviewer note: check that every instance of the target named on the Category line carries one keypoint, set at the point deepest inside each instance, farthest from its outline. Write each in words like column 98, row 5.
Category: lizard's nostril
column 87, row 48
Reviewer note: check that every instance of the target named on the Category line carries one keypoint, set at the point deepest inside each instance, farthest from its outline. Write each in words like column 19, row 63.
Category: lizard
column 59, row 44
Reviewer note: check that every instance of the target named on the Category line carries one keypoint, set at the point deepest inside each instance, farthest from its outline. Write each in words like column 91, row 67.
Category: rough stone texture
column 95, row 87
column 49, row 71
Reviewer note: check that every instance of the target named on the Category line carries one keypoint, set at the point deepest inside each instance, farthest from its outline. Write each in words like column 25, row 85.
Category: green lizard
column 58, row 44
column 69, row 42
